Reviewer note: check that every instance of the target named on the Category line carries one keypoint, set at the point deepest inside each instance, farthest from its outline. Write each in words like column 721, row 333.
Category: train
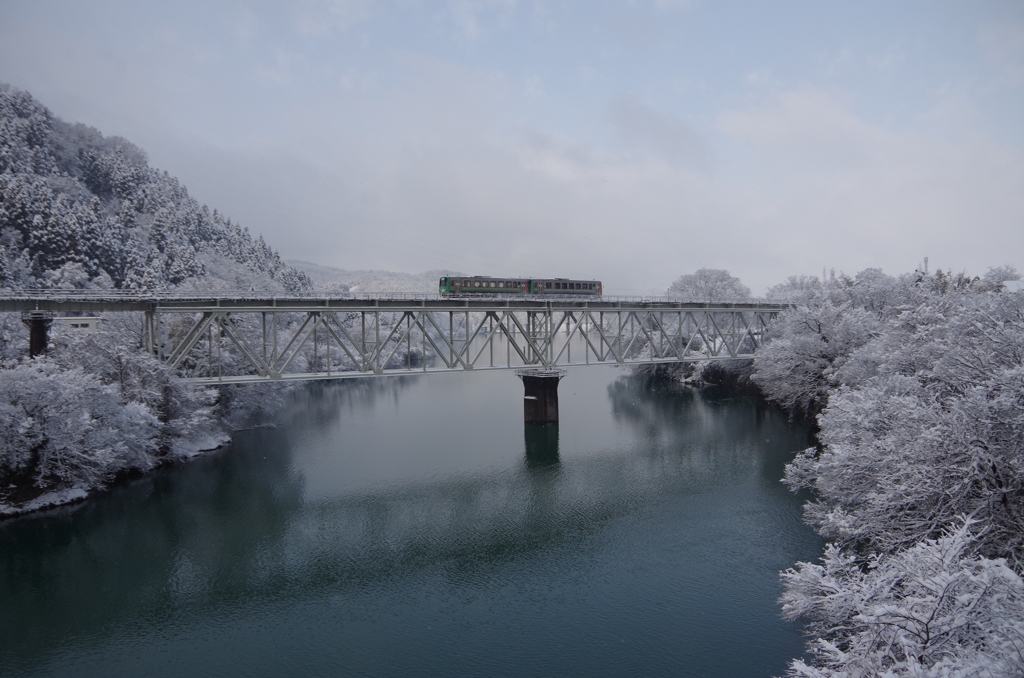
column 485, row 285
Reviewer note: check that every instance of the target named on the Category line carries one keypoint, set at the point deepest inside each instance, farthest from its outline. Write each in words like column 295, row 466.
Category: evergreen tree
column 6, row 279
column 75, row 196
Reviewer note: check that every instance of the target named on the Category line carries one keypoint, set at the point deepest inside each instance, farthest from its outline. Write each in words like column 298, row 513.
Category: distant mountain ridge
column 78, row 209
column 370, row 282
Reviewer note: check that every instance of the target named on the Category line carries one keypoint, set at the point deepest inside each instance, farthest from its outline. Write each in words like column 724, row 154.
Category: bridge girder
column 246, row 339
column 272, row 345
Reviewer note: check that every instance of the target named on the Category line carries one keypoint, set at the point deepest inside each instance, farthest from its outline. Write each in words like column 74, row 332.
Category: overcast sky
column 626, row 141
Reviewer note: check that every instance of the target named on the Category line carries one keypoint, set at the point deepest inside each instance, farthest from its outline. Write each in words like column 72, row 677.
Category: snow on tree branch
column 932, row 610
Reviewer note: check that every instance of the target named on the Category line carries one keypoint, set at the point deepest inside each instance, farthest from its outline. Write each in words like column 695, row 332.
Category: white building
column 80, row 324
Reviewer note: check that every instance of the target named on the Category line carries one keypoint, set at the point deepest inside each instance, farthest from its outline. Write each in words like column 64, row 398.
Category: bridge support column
column 540, row 400
column 38, row 330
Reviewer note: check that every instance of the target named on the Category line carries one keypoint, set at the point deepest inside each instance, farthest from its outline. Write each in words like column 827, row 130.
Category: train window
column 547, row 286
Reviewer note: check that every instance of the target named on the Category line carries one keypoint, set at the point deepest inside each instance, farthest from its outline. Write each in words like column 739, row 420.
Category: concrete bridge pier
column 38, row 330
column 540, row 400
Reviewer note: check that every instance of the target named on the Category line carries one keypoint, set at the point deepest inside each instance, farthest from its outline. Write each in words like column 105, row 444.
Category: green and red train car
column 484, row 285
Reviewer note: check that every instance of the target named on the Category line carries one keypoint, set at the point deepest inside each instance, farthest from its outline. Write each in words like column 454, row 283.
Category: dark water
column 415, row 527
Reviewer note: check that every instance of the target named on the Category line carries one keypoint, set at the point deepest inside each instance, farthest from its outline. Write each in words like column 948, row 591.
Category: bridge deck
column 80, row 301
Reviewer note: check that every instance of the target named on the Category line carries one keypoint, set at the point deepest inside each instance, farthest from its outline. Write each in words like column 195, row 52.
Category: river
column 413, row 526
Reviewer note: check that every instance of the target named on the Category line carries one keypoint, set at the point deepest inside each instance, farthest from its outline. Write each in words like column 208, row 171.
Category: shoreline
column 182, row 451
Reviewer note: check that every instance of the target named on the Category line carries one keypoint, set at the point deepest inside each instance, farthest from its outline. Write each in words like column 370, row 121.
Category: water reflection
column 541, row 445
column 278, row 519
column 141, row 552
column 320, row 403
column 669, row 414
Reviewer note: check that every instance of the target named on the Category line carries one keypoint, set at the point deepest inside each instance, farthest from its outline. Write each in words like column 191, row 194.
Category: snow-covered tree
column 64, row 428
column 709, row 285
column 997, row 276
column 932, row 611
column 806, row 348
column 919, row 381
column 181, row 409
column 796, row 288
column 74, row 195
column 898, row 464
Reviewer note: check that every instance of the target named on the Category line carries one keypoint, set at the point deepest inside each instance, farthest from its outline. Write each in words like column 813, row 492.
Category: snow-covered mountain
column 78, row 209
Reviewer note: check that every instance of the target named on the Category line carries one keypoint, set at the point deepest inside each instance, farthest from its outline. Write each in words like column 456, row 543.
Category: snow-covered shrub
column 13, row 337
column 933, row 610
column 182, row 409
column 61, row 428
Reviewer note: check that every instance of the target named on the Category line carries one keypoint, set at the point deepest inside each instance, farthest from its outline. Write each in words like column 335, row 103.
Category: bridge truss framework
column 232, row 340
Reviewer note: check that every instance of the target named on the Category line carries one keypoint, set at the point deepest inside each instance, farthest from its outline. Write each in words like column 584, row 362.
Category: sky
column 631, row 141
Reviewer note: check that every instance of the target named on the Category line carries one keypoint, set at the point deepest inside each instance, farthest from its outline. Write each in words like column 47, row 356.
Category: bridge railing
column 251, row 295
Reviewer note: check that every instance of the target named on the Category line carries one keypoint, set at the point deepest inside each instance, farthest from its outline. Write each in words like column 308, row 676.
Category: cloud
column 643, row 129
column 843, row 189
column 397, row 145
column 805, row 125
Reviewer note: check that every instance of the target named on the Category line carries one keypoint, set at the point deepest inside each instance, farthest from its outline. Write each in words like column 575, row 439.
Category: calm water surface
column 414, row 526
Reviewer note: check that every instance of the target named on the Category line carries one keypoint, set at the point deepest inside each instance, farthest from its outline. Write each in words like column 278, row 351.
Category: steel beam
column 250, row 338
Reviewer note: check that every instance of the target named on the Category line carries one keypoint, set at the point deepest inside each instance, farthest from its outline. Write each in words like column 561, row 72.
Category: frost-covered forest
column 917, row 385
column 80, row 210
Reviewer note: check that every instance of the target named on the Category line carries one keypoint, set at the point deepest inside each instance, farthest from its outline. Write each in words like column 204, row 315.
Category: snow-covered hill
column 78, row 209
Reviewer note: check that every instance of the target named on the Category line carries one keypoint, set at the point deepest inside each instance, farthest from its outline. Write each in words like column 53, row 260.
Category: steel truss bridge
column 234, row 339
